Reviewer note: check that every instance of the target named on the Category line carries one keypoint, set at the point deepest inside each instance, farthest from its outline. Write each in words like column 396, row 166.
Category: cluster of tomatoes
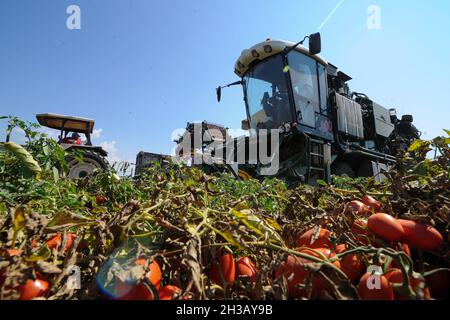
column 224, row 272
column 38, row 286
column 371, row 228
column 142, row 291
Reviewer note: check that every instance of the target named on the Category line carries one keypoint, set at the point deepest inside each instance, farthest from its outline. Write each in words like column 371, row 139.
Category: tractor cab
column 70, row 140
column 70, row 128
column 285, row 85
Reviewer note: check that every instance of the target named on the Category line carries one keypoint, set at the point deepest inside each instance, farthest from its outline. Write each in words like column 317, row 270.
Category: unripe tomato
column 396, row 276
column 372, row 203
column 100, row 200
column 127, row 291
column 383, row 292
column 386, row 227
column 33, row 289
column 351, row 264
column 420, row 236
column 295, row 272
column 245, row 267
column 358, row 208
column 323, row 240
column 169, row 292
column 56, row 241
column 227, row 267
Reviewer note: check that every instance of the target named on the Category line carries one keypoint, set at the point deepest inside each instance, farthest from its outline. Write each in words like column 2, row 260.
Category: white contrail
column 330, row 15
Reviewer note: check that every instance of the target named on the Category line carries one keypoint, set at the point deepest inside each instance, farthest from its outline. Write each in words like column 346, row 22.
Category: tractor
column 323, row 127
column 92, row 157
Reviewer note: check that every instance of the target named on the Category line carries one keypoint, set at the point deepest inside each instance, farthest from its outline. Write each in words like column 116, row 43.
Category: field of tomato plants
column 177, row 233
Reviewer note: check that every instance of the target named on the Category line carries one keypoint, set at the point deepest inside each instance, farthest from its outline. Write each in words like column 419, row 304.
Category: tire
column 344, row 170
column 365, row 169
column 91, row 162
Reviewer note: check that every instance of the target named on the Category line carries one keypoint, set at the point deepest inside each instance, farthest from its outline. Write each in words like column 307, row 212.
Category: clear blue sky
column 143, row 68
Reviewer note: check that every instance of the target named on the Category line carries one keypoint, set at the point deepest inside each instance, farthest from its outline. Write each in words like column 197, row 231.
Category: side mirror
column 245, row 125
column 219, row 93
column 315, row 43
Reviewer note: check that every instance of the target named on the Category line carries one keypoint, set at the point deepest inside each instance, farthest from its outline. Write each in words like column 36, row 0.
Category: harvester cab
column 324, row 127
column 93, row 157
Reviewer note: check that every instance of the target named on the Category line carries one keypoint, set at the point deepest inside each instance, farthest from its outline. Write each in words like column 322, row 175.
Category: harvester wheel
column 344, row 170
column 81, row 169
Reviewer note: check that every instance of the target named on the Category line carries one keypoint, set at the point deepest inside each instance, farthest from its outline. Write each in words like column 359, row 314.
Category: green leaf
column 447, row 132
column 322, row 183
column 416, row 145
column 55, row 174
column 228, row 236
column 67, row 219
column 44, row 253
column 19, row 219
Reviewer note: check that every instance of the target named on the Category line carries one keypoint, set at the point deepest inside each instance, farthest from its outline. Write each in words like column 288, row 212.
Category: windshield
column 267, row 95
column 305, row 85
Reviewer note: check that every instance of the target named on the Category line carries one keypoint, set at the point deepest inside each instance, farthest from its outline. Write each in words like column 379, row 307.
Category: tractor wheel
column 81, row 169
column 365, row 169
column 343, row 169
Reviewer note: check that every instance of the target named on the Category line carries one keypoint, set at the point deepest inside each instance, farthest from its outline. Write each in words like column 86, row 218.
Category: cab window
column 305, row 85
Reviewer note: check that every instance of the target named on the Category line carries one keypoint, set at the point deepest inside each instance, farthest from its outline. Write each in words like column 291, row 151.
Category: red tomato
column 318, row 284
column 57, row 240
column 396, row 276
column 154, row 272
column 323, row 240
column 384, row 292
column 14, row 252
column 439, row 284
column 359, row 230
column 169, row 292
column 358, row 208
column 351, row 264
column 420, row 236
column 295, row 272
column 386, row 227
column 405, row 249
column 227, row 267
column 34, row 243
column 372, row 203
column 126, row 291
column 100, row 200
column 33, row 289
column 245, row 267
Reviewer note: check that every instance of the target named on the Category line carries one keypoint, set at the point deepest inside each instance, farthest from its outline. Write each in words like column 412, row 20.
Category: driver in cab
column 276, row 108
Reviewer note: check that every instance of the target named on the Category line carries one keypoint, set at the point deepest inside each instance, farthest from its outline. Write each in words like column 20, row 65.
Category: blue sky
column 143, row 68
